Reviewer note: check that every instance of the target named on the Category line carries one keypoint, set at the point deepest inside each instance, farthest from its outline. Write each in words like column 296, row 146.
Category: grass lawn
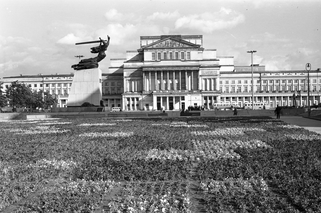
column 159, row 165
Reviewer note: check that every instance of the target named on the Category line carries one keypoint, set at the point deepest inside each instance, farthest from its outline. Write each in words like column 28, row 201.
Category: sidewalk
column 309, row 124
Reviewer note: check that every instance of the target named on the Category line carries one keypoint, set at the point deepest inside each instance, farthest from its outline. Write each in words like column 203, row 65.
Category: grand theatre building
column 174, row 72
column 169, row 72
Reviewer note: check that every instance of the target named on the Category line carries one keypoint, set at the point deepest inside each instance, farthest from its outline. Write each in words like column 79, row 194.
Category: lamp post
column 308, row 68
column 252, row 51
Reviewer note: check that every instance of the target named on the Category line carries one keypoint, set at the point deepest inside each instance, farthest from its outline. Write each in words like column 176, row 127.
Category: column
column 180, row 80
column 192, row 82
column 154, row 102
column 161, row 81
column 123, row 103
column 207, row 102
column 144, row 81
column 155, row 80
column 135, row 103
column 213, row 84
column 115, row 102
column 174, row 82
column 108, row 102
column 150, row 81
column 186, row 81
column 167, row 103
column 200, row 83
column 168, row 84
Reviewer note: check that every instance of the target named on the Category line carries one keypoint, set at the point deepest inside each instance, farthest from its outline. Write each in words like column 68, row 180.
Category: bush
column 87, row 104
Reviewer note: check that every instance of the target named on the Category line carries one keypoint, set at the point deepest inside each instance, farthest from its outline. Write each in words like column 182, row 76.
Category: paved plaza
column 307, row 123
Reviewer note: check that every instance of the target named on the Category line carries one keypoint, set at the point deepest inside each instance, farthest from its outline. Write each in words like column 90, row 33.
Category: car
column 115, row 109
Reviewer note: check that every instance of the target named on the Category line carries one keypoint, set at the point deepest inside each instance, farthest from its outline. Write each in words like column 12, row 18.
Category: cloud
column 209, row 22
column 69, row 39
column 113, row 15
column 162, row 16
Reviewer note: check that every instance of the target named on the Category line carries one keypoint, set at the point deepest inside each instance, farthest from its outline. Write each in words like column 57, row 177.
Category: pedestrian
column 277, row 111
column 235, row 111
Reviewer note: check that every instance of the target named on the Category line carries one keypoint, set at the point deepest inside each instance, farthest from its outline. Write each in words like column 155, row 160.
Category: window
column 52, row 92
column 159, row 56
column 165, row 55
column 226, row 82
column 314, row 81
column 283, row 81
column 176, row 55
column 112, row 84
column 65, row 92
column 59, row 85
column 227, row 89
column 182, row 55
column 106, row 83
column 289, row 81
column 245, row 81
column 118, row 83
column 221, row 82
column 153, row 56
column 302, row 81
column 170, row 55
column 239, row 89
column 239, row 81
column 271, row 81
column 41, row 85
column 47, row 85
column 295, row 81
column 277, row 81
column 233, row 81
column 29, row 85
column 258, row 81
column 35, row 85
column 264, row 81
column 233, row 89
column 188, row 56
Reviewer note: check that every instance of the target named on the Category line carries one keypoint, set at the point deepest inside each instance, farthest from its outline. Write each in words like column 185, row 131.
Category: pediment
column 171, row 43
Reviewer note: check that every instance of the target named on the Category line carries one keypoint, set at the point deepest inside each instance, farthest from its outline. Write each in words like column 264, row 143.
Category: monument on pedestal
column 86, row 84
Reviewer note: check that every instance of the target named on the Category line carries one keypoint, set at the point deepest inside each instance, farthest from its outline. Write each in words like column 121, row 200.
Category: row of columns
column 191, row 78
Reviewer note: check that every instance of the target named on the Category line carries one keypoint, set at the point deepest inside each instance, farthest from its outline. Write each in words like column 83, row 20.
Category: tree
column 43, row 99
column 3, row 100
column 20, row 95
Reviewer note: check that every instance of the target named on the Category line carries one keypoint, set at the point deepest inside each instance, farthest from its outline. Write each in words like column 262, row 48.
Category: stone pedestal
column 86, row 87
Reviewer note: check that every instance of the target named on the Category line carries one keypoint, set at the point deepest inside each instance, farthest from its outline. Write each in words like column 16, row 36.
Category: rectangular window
column 47, row 85
column 118, row 83
column 40, row 85
column 59, row 85
column 159, row 56
column 188, row 56
column 226, row 82
column 239, row 89
column 35, row 85
column 171, row 55
column 277, row 81
column 245, row 89
column 233, row 81
column 245, row 81
column 176, row 55
column 153, row 56
column 314, row 81
column 239, row 81
column 227, row 89
column 165, row 55
column 271, row 81
column 302, row 81
column 106, row 83
column 264, row 81
column 182, row 55
column 289, row 81
column 112, row 84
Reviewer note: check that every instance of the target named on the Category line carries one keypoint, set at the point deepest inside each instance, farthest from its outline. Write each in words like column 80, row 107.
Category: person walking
column 235, row 111
column 277, row 111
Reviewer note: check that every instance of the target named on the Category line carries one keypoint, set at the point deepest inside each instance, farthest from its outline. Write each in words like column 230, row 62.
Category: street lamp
column 252, row 51
column 308, row 68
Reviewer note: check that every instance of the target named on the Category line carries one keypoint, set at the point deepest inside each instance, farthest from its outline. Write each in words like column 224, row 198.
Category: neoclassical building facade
column 173, row 72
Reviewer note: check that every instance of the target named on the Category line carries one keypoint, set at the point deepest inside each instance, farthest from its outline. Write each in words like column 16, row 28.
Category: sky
column 39, row 36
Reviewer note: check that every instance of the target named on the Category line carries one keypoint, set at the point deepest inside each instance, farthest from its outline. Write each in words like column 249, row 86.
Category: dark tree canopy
column 20, row 95
column 3, row 99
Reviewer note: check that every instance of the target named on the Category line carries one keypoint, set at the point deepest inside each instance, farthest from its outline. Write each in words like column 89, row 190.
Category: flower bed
column 159, row 165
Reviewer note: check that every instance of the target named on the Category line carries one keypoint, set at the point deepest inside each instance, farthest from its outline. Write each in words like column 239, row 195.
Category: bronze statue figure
column 90, row 63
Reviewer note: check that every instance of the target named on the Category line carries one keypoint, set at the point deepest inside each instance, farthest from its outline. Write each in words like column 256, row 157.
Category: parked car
column 115, row 109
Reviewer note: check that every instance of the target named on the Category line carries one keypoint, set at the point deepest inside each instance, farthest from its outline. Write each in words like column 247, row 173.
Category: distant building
column 174, row 72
